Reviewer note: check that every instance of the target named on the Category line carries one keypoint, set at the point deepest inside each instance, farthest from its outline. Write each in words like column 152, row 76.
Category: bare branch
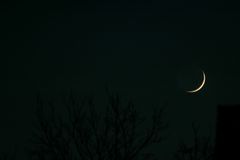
column 82, row 132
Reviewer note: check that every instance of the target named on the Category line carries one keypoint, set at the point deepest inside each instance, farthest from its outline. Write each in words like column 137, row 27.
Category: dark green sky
column 138, row 48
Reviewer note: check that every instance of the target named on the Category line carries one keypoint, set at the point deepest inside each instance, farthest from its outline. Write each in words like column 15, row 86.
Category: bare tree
column 201, row 149
column 83, row 133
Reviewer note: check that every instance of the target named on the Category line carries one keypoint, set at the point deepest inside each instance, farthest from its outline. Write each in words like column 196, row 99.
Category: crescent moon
column 201, row 86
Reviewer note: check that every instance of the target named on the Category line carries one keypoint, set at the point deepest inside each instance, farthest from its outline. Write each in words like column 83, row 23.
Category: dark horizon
column 221, row 144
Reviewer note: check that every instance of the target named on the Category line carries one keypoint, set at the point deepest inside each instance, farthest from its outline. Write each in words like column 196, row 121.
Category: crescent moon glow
column 201, row 86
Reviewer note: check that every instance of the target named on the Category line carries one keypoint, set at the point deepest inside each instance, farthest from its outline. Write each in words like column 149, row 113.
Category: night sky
column 138, row 48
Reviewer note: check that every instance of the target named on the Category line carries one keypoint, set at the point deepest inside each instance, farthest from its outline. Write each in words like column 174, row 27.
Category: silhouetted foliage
column 201, row 149
column 82, row 132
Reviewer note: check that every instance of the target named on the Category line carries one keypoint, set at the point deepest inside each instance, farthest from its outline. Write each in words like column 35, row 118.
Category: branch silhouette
column 201, row 149
column 80, row 131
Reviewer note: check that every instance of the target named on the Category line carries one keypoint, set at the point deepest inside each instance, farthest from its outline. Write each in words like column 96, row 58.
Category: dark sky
column 138, row 47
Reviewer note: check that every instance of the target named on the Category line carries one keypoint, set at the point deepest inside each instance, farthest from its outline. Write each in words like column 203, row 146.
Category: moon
column 200, row 86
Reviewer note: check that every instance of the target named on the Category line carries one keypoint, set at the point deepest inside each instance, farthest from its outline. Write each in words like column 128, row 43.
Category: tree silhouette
column 80, row 131
column 201, row 149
